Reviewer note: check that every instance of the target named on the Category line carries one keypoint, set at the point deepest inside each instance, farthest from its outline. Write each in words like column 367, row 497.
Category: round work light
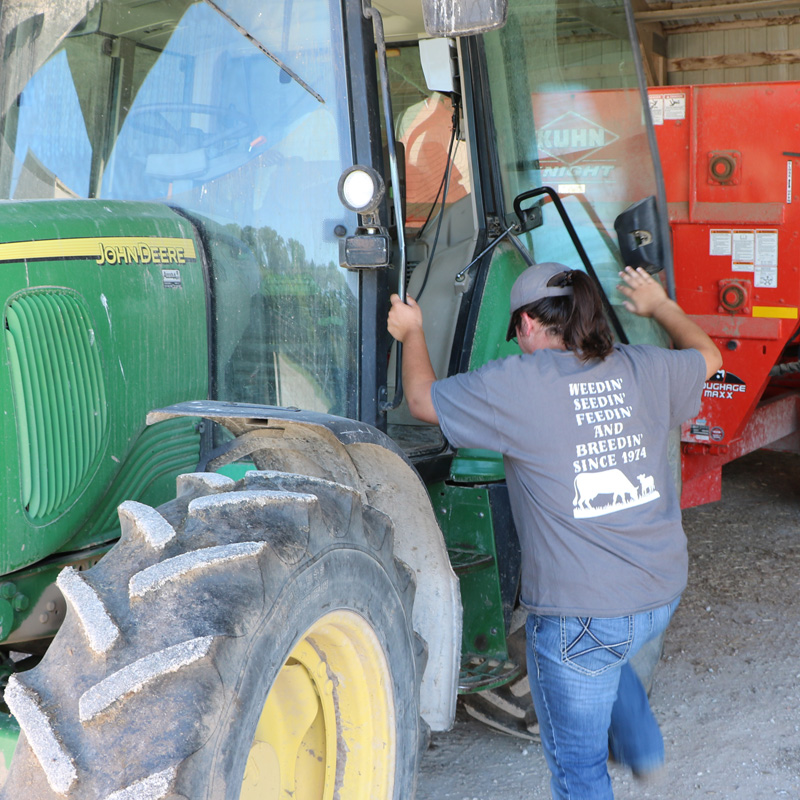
column 361, row 189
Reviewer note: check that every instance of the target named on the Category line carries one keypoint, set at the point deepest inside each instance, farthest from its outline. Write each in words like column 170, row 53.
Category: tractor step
column 481, row 672
column 465, row 559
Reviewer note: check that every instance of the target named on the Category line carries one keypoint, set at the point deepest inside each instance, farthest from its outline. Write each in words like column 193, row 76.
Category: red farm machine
column 729, row 153
column 728, row 156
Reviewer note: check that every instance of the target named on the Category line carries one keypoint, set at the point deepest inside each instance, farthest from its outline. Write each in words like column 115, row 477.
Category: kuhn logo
column 571, row 138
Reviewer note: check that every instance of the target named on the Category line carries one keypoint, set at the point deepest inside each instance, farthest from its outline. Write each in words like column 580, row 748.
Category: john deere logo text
column 146, row 252
column 105, row 250
column 571, row 138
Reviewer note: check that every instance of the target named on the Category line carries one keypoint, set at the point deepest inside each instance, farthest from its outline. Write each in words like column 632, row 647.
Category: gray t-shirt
column 585, row 453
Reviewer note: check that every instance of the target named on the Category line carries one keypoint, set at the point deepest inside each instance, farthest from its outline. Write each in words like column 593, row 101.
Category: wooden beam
column 734, row 60
column 739, row 24
column 653, row 45
column 610, row 23
column 597, row 71
column 583, row 38
column 713, row 10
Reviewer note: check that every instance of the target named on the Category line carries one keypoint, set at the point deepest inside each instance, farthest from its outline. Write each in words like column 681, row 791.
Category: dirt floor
column 727, row 692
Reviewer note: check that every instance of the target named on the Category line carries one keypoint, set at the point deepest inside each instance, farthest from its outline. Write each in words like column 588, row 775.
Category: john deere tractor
column 233, row 566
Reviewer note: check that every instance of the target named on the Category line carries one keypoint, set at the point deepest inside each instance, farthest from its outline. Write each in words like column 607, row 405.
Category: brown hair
column 578, row 318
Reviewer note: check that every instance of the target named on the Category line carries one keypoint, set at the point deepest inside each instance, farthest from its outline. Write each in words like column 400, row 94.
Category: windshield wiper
column 249, row 36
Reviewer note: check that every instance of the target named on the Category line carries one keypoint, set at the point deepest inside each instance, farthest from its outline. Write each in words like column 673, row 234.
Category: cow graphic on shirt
column 599, row 493
column 647, row 484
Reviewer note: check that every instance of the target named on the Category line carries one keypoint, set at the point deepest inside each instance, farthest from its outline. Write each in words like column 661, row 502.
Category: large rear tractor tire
column 248, row 640
column 508, row 708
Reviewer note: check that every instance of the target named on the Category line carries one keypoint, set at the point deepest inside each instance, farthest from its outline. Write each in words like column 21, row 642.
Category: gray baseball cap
column 537, row 282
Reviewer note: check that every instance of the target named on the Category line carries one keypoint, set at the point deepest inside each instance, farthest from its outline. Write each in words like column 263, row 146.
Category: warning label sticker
column 749, row 250
column 719, row 243
column 667, row 106
column 744, row 250
column 767, row 248
column 765, row 277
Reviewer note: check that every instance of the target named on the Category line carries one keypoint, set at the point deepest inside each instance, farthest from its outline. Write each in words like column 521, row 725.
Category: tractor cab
column 233, row 118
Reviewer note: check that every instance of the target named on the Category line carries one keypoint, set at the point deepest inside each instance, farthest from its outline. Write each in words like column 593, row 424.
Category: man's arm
column 647, row 298
column 405, row 324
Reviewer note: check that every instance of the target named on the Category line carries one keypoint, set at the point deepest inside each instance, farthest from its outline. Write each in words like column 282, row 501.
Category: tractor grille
column 59, row 397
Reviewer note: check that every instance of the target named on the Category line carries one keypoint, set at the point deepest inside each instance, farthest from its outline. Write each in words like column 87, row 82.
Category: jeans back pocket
column 592, row 645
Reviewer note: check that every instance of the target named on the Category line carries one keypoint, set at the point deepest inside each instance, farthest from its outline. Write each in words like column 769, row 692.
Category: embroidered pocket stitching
column 618, row 649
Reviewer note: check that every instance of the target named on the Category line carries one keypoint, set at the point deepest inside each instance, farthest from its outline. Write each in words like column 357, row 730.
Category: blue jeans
column 587, row 696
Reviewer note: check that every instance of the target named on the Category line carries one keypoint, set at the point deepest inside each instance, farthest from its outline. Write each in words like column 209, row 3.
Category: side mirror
column 460, row 18
column 637, row 230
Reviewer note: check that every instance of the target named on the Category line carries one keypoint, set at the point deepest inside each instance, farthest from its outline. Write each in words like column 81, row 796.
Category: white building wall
column 732, row 42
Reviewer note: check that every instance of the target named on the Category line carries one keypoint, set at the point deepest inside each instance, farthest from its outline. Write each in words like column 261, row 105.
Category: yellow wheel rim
column 327, row 727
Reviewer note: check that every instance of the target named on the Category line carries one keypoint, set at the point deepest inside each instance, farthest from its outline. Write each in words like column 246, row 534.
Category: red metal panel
column 771, row 422
column 731, row 159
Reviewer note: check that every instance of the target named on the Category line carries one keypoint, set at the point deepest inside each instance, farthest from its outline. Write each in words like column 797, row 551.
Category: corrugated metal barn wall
column 734, row 53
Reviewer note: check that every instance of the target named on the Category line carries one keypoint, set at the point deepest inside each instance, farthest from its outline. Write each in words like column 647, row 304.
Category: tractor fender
column 360, row 456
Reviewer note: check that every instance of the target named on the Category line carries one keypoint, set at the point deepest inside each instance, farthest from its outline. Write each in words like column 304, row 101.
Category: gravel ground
column 727, row 692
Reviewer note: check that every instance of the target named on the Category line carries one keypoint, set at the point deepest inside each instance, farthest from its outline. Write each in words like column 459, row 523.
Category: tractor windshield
column 568, row 114
column 236, row 118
